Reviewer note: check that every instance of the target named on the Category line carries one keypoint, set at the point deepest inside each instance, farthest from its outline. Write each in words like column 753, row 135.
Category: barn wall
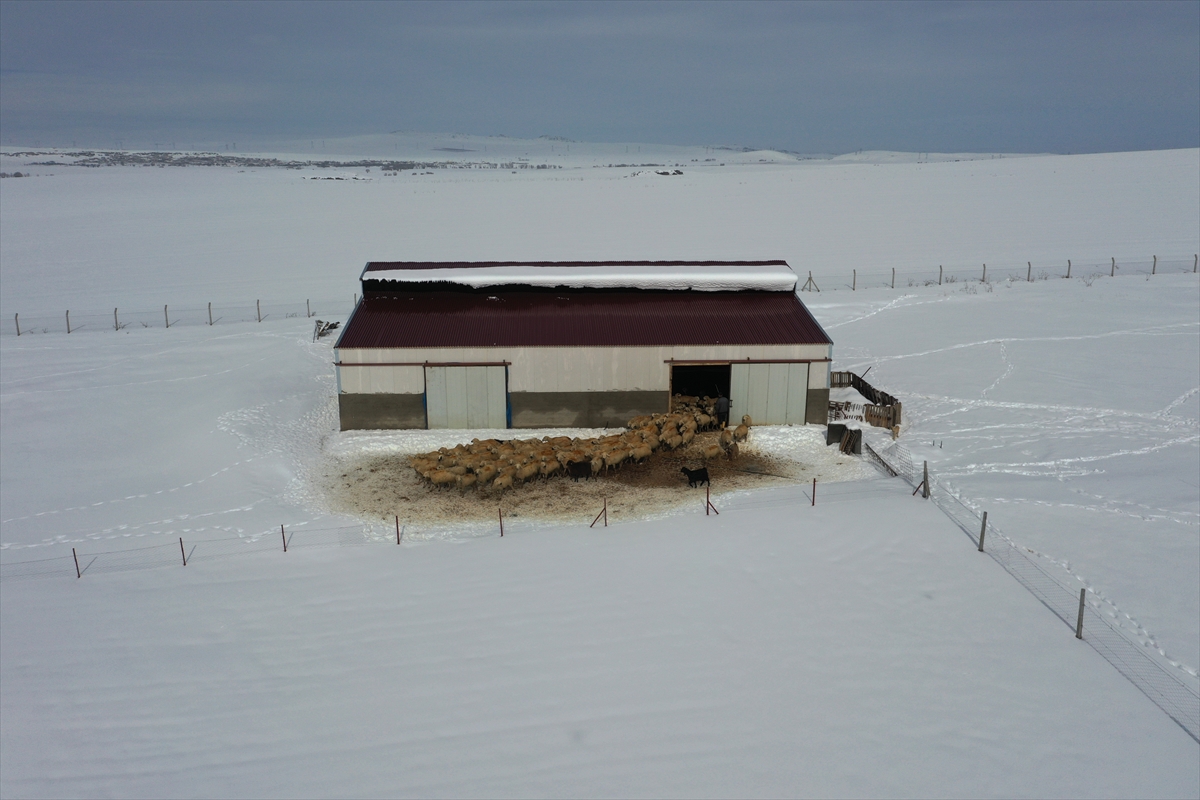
column 557, row 369
column 583, row 409
column 381, row 411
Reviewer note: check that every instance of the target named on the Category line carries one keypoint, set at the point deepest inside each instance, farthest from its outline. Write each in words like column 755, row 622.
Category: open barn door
column 772, row 394
column 466, row 397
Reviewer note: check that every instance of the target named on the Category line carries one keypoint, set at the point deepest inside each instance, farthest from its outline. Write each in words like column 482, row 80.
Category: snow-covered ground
column 860, row 647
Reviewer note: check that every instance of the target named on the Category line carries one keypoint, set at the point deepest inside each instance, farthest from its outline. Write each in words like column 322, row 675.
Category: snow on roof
column 705, row 276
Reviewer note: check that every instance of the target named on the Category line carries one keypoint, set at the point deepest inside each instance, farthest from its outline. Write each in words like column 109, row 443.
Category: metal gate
column 466, row 397
column 772, row 394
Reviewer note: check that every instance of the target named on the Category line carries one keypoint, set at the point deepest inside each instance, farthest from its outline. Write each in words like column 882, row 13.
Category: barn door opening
column 772, row 394
column 466, row 397
column 700, row 379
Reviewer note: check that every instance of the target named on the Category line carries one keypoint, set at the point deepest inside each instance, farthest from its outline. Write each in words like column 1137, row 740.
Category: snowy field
column 859, row 647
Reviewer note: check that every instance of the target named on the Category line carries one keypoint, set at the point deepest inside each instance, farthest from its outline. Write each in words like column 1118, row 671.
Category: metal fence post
column 1079, row 623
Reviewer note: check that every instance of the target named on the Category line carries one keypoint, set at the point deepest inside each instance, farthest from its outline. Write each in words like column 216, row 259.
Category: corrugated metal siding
column 613, row 319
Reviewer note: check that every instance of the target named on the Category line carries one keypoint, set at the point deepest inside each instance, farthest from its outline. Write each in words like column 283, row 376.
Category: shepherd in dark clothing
column 722, row 409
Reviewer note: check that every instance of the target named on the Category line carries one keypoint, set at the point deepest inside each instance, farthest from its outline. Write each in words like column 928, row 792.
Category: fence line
column 168, row 316
column 968, row 277
column 1165, row 689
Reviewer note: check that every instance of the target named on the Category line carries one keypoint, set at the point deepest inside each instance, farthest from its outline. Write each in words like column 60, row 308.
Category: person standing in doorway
column 722, row 409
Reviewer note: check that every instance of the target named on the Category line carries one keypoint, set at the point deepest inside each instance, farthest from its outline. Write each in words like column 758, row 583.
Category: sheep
column 485, row 473
column 466, row 481
column 741, row 432
column 747, row 421
column 696, row 476
column 442, row 478
column 731, row 452
column 579, row 469
column 527, row 471
column 726, row 437
column 549, row 467
column 503, row 482
column 641, row 453
column 674, row 442
column 687, row 435
column 713, row 451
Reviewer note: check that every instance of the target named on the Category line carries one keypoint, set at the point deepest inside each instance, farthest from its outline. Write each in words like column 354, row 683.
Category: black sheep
column 579, row 469
column 696, row 476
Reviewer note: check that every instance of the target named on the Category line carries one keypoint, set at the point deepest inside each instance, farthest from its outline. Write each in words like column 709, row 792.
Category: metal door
column 466, row 397
column 772, row 394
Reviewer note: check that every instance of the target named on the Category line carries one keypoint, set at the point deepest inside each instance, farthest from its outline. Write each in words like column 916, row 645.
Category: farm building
column 577, row 344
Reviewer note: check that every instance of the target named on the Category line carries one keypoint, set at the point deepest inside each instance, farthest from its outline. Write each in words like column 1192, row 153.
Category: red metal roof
column 373, row 266
column 605, row 319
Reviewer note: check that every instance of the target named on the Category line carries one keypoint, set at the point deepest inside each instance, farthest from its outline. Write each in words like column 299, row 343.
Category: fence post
column 499, row 511
column 854, row 285
column 397, row 529
column 1068, row 268
column 166, row 319
column 1154, row 266
column 210, row 314
column 1079, row 622
column 984, row 278
column 1113, row 273
column 308, row 307
column 1195, row 262
column 258, row 309
column 814, row 497
column 75, row 555
column 939, row 274
column 982, row 531
column 17, row 320
column 182, row 552
column 68, row 320
column 116, row 322
column 283, row 536
column 1029, row 272
column 893, row 277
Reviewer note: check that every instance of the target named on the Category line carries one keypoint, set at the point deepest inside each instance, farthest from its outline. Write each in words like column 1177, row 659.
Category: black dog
column 696, row 476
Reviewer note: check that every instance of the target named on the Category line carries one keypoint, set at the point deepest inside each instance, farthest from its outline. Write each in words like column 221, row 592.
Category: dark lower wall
column 583, row 409
column 379, row 411
column 817, row 410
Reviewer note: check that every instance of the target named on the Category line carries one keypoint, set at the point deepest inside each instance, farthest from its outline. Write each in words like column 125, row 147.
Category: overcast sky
column 807, row 77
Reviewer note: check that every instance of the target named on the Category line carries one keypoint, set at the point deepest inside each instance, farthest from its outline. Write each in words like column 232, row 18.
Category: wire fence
column 1059, row 592
column 118, row 319
column 969, row 278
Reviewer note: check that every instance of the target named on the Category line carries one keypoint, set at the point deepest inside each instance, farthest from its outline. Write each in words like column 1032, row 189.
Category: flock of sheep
column 504, row 464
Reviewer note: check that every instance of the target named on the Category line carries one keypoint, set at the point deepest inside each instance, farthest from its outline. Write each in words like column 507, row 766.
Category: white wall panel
column 561, row 369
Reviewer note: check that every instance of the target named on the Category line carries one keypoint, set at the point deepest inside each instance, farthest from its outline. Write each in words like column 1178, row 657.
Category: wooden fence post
column 75, row 555
column 814, row 496
column 939, row 274
column 925, row 494
column 1195, row 262
column 116, row 322
column 854, row 285
column 1068, row 268
column 604, row 513
column 308, row 307
column 1154, row 266
column 17, row 320
column 258, row 309
column 1113, row 273
column 283, row 536
column 499, row 511
column 210, row 313
column 982, row 531
column 182, row 552
column 68, row 320
column 893, row 277
column 984, row 278
column 1029, row 272
column 166, row 319
column 397, row 529
column 1079, row 622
